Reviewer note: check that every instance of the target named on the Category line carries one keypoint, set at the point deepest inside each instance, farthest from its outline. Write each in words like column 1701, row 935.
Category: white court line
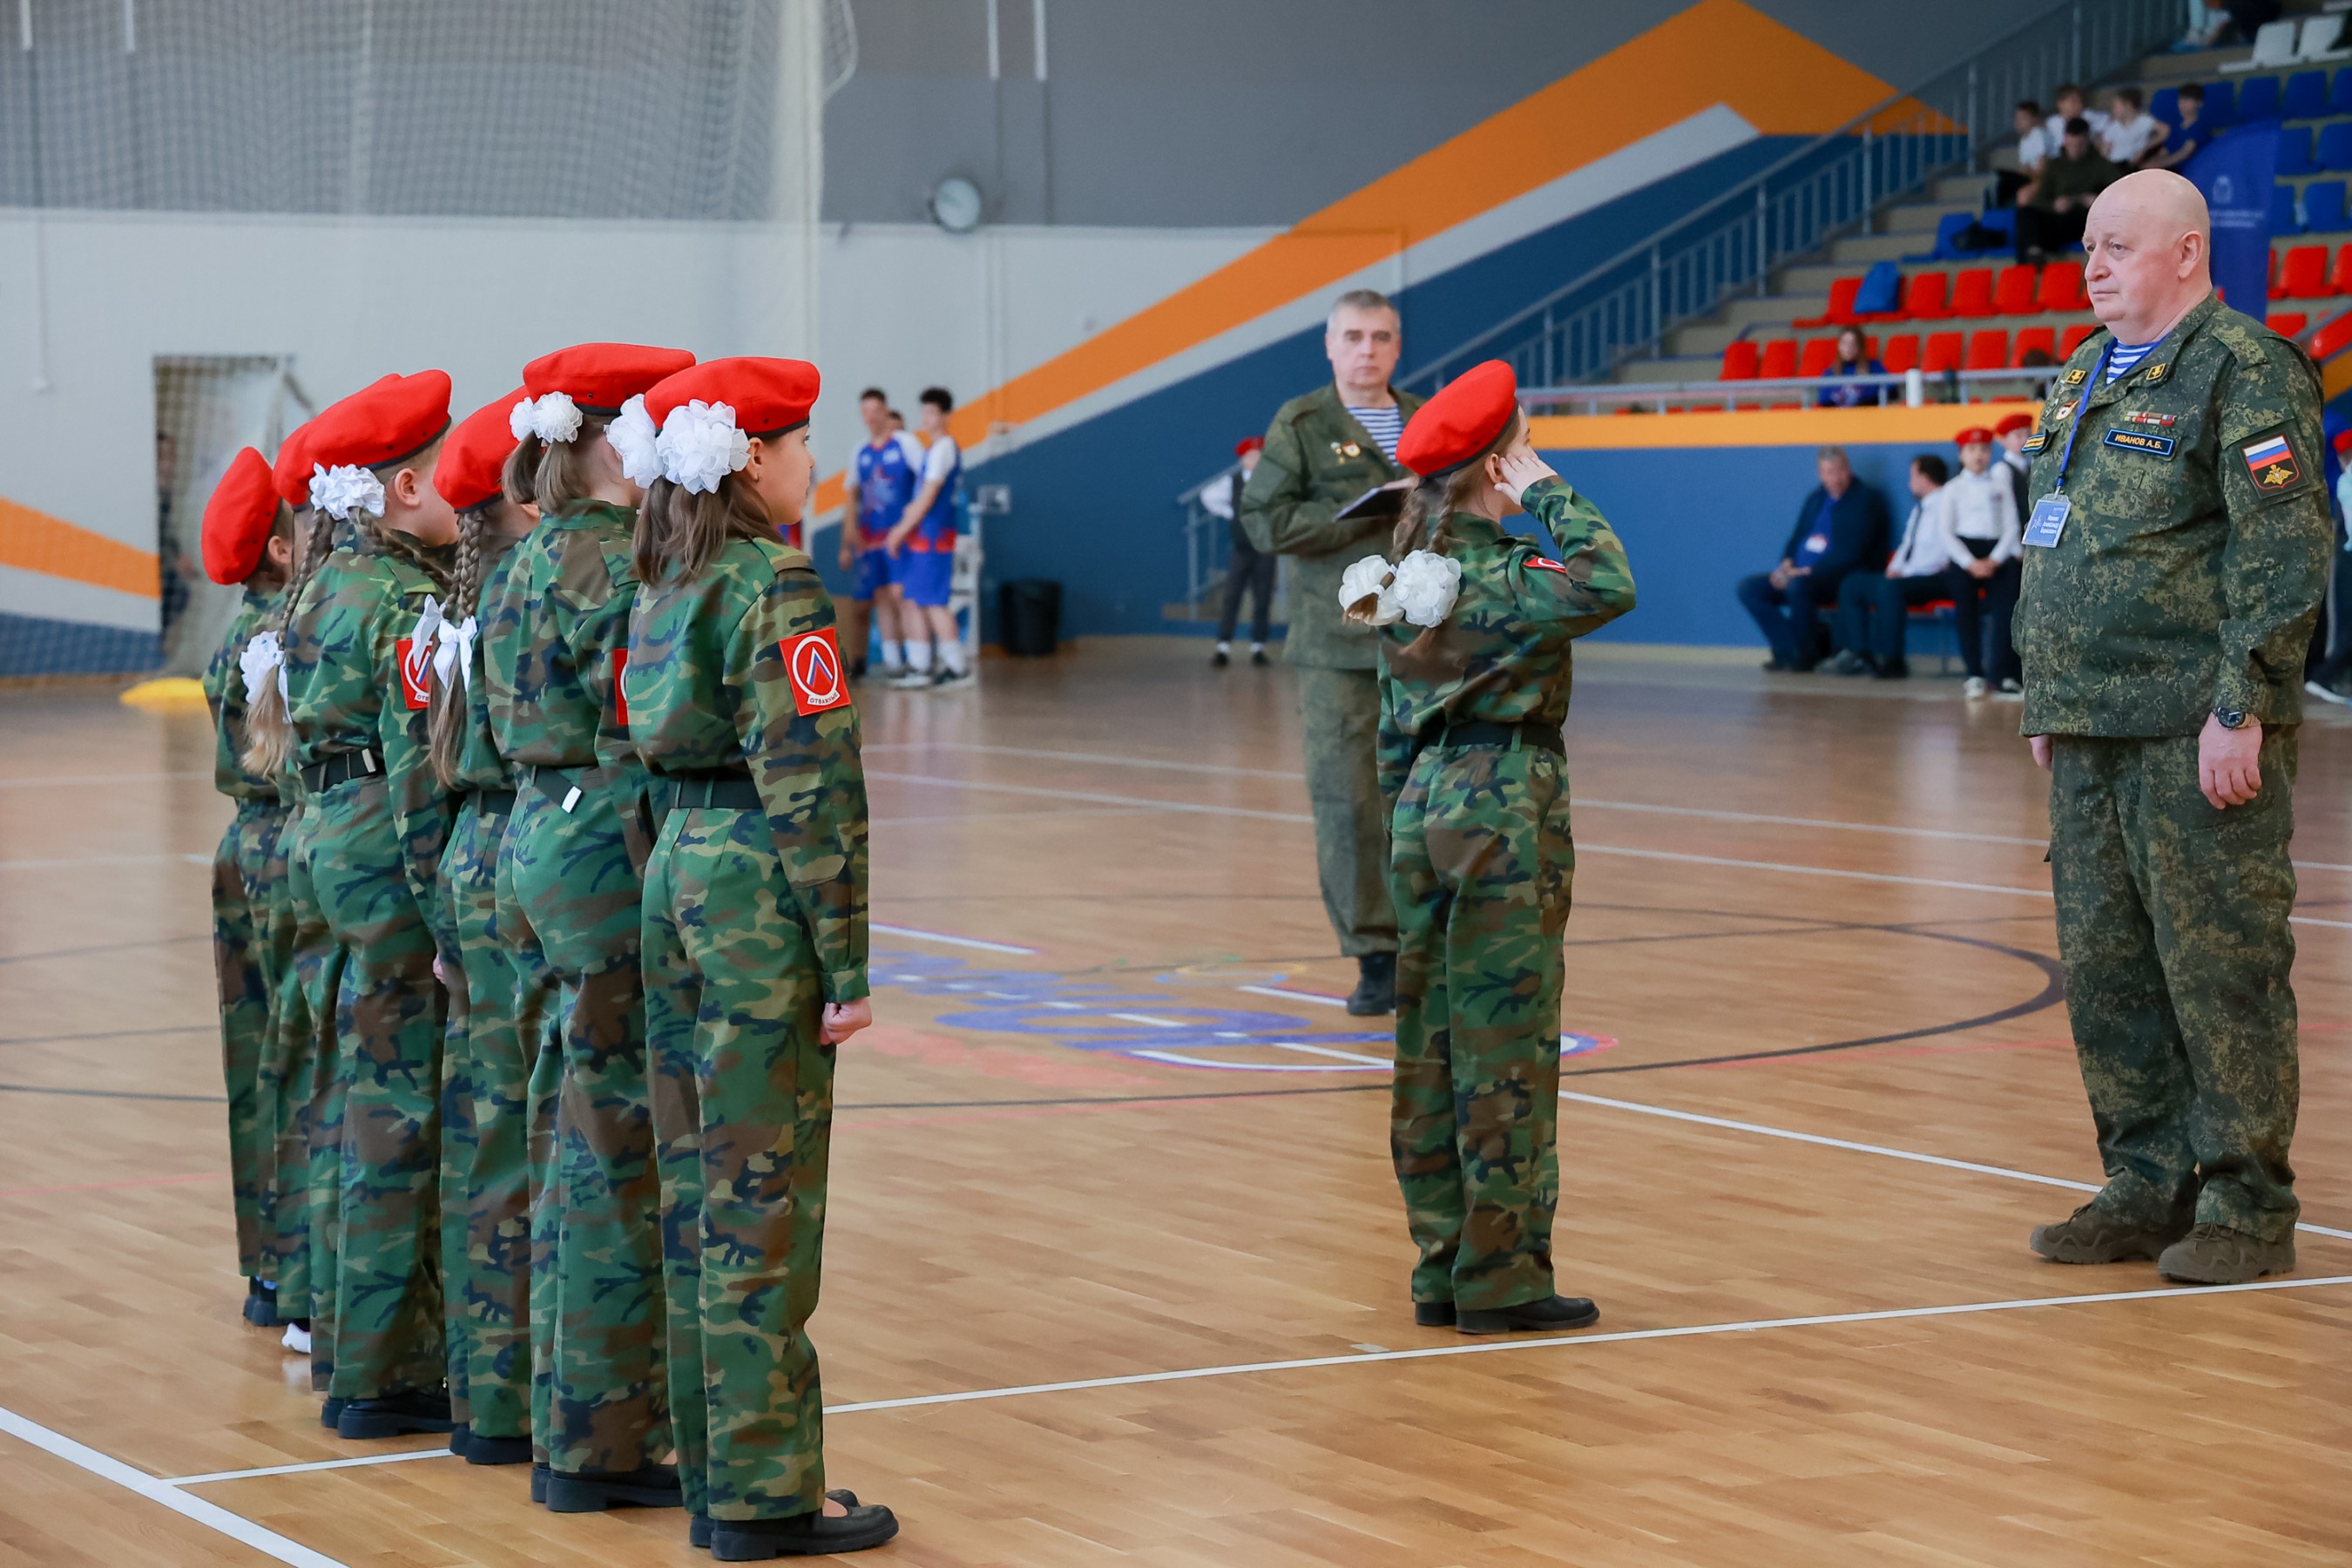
column 104, row 860
column 269, row 1542
column 1189, row 805
column 1314, row 996
column 49, row 781
column 913, row 935
column 440, row 1452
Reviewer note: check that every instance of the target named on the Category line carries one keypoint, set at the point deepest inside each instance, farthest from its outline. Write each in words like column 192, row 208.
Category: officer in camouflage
column 1321, row 452
column 1475, row 673
column 2175, row 561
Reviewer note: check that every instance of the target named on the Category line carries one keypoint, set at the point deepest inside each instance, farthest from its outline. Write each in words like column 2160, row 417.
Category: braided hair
column 268, row 727
column 479, row 545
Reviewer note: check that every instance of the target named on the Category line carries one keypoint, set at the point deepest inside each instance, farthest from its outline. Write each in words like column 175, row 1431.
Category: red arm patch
column 620, row 697
column 416, row 672
column 813, row 664
column 1545, row 563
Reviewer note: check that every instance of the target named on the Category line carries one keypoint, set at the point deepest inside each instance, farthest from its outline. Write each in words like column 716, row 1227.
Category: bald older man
column 2175, row 560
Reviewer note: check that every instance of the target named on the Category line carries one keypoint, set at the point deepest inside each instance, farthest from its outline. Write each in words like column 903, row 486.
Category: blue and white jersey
column 888, row 477
column 943, row 462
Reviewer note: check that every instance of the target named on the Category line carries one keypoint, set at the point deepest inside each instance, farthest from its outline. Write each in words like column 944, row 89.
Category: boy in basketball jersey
column 880, row 485
column 921, row 551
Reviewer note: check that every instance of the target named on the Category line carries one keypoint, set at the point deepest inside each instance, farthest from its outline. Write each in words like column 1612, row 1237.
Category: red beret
column 767, row 395
column 600, row 378
column 397, row 417
column 237, row 518
column 2014, row 422
column 1254, row 444
column 1974, row 436
column 291, row 471
column 475, row 456
column 1461, row 421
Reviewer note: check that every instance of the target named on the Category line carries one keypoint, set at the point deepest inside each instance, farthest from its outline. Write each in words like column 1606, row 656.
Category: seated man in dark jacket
column 1842, row 528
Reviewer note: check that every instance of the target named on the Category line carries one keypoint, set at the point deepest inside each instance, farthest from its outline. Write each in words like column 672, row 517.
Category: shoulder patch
column 813, row 664
column 2271, row 462
column 1544, row 564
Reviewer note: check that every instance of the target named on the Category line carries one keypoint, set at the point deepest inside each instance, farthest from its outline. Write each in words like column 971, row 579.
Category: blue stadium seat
column 2307, row 95
column 2220, row 104
column 2166, row 106
column 2323, row 207
column 2335, row 146
column 2339, row 100
column 2258, row 99
column 2282, row 218
column 2294, row 151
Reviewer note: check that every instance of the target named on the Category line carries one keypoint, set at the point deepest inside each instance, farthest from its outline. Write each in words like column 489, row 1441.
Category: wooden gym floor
column 1117, row 1270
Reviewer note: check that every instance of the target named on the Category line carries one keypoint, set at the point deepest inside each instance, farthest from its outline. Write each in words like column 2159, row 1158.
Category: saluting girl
column 1474, row 676
column 754, row 943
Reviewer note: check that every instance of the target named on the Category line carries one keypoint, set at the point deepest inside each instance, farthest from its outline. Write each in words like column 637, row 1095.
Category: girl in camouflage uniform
column 1475, row 676
column 754, row 945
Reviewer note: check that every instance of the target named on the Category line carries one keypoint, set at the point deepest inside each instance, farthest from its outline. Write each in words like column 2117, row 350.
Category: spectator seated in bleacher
column 2245, row 17
column 2068, row 103
column 2131, row 129
column 2051, row 211
column 1838, row 389
column 2034, row 146
column 1988, row 547
column 2188, row 138
column 1840, row 529
column 1872, row 608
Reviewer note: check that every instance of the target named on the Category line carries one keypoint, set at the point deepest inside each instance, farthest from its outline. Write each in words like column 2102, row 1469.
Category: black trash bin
column 1029, row 616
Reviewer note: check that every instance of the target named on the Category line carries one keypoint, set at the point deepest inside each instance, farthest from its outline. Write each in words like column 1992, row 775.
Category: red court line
column 109, row 1186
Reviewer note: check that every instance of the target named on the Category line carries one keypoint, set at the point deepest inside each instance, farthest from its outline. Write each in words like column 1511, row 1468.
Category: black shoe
column 858, row 669
column 410, row 1410
column 1850, row 663
column 1776, row 666
column 698, row 1525
column 1553, row 1312
column 461, row 1435
column 1433, row 1314
column 481, row 1450
column 538, row 1483
column 331, row 1414
column 802, row 1535
column 1257, row 658
column 1375, row 990
column 1220, row 658
column 593, row 1491
column 260, row 1304
column 1897, row 668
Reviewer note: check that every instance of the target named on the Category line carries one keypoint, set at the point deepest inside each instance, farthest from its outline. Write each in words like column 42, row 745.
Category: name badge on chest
column 2049, row 520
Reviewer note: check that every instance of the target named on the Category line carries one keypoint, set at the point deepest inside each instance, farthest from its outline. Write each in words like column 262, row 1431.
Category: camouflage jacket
column 711, row 685
column 480, row 765
column 551, row 640
column 2194, row 556
column 356, row 679
column 224, row 690
column 1317, row 460
column 1503, row 655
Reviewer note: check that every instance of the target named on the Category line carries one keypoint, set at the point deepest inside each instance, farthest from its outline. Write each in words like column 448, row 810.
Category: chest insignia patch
column 813, row 664
column 2065, row 411
column 1346, row 449
column 2272, row 463
column 2076, row 377
column 2155, row 373
column 2140, row 416
column 2140, row 441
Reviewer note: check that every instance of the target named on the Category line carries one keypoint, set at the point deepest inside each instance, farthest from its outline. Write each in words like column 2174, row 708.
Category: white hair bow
column 258, row 658
column 455, row 649
column 636, row 441
column 554, row 417
column 699, row 445
column 341, row 491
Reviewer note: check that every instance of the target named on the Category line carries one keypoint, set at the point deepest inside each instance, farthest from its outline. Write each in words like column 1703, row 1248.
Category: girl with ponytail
column 554, row 634
column 1476, row 625
column 754, row 945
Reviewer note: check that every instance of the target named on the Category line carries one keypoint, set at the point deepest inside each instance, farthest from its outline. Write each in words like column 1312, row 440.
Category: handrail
column 1631, row 393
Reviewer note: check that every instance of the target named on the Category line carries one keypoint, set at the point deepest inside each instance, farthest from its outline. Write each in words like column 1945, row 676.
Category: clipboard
column 1378, row 503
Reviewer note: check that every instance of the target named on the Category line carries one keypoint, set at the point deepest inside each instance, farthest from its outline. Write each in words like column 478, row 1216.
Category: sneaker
column 2009, row 690
column 297, row 1338
column 911, row 680
column 2326, row 693
column 893, row 673
column 1974, row 688
column 1257, row 658
column 944, row 679
column 1223, row 656
column 2095, row 1234
column 2216, row 1254
column 1895, row 668
column 1849, row 663
column 1375, row 990
column 1532, row 1317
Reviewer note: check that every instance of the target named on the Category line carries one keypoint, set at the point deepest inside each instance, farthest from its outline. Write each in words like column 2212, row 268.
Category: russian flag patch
column 2271, row 462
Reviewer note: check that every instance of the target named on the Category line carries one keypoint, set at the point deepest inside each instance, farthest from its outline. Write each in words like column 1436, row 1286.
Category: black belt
column 363, row 763
column 495, row 801
column 720, row 789
column 1532, row 732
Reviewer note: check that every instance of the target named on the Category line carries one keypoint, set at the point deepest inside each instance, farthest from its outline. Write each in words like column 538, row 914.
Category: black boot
column 1433, row 1314
column 410, row 1410
column 593, row 1491
column 1375, row 990
column 802, row 1535
column 260, row 1304
column 331, row 1414
column 481, row 1450
column 1532, row 1317
column 461, row 1437
column 698, row 1525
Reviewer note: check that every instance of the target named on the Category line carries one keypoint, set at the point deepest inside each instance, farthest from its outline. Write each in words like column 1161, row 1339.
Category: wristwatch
column 2229, row 718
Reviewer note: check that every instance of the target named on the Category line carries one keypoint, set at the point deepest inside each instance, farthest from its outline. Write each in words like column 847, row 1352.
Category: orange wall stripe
column 36, row 541
column 1930, row 428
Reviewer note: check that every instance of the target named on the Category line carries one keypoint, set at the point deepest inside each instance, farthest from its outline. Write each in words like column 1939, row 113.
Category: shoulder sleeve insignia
column 2271, row 462
column 813, row 664
column 1545, row 563
column 2035, row 442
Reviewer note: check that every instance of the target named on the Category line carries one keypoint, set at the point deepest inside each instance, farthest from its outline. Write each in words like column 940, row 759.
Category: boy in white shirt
column 2069, row 104
column 2130, row 130
column 1874, row 610
column 2034, row 146
column 921, row 548
column 1987, row 556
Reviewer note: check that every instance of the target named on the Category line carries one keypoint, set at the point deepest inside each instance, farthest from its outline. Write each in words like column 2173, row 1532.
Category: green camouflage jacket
column 742, row 666
column 548, row 645
column 1503, row 654
column 480, row 765
column 2195, row 556
column 1317, row 460
column 224, row 690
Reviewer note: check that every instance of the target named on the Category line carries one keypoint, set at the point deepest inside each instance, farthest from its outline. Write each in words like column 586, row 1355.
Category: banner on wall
column 2237, row 172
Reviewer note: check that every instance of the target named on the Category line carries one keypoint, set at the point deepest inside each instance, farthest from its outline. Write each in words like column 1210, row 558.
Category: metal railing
column 1623, row 308
column 1951, row 386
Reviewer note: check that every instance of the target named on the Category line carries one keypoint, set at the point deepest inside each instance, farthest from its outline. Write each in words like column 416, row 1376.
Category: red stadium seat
column 2289, row 323
column 1779, row 362
column 2306, row 273
column 1740, row 361
column 1988, row 350
column 2032, row 338
column 2072, row 339
column 1972, row 292
column 2339, row 277
column 1923, row 298
column 1902, row 352
column 1841, row 311
column 2062, row 286
column 2014, row 294
column 1943, row 353
column 1820, row 354
column 2330, row 340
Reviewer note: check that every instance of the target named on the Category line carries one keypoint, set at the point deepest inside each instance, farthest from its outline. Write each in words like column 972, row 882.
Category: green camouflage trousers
column 743, row 1109
column 1481, row 872
column 2172, row 925
column 486, row 1278
column 247, row 878
column 1339, row 712
column 389, row 1333
column 301, row 1072
column 600, row 1397
column 453, row 1178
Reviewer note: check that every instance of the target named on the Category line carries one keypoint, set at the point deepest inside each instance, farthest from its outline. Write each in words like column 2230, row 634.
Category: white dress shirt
column 1983, row 507
column 1927, row 544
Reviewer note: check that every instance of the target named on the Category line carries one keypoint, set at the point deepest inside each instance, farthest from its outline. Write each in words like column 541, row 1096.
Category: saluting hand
column 843, row 1020
column 2229, row 764
column 1517, row 469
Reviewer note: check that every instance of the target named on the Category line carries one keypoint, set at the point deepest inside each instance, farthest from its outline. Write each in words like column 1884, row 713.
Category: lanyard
column 2074, row 421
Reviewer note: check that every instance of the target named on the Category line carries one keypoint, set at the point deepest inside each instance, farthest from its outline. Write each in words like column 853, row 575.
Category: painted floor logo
column 1153, row 1021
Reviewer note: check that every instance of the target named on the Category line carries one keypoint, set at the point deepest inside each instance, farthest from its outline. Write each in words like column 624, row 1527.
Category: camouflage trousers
column 1340, row 713
column 248, row 878
column 389, row 1333
column 486, row 1253
column 301, row 1085
column 743, row 1109
column 2172, row 926
column 600, row 1397
column 1481, row 871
